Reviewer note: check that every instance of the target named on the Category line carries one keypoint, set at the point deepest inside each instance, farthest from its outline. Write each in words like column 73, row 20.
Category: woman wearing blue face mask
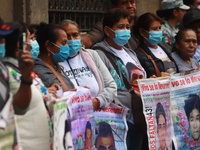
column 54, row 49
column 29, row 93
column 35, row 49
column 2, row 50
column 116, row 57
column 85, row 68
column 153, row 55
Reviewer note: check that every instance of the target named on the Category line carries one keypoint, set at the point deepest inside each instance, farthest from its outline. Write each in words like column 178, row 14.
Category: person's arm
column 53, row 89
column 109, row 92
column 23, row 96
column 95, row 35
column 87, row 43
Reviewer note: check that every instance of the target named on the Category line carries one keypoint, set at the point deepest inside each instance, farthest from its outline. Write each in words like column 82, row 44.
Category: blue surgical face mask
column 62, row 55
column 122, row 37
column 74, row 47
column 2, row 50
column 155, row 37
column 35, row 49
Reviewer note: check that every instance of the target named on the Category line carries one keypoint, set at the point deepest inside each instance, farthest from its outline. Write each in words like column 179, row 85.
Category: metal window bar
column 84, row 12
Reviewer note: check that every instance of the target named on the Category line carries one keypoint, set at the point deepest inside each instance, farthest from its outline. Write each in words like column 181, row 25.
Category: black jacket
column 146, row 62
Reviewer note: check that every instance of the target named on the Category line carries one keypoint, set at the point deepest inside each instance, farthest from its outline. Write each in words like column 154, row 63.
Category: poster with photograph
column 62, row 136
column 111, row 126
column 185, row 109
column 77, row 126
column 7, row 137
column 155, row 94
column 7, row 125
column 81, row 117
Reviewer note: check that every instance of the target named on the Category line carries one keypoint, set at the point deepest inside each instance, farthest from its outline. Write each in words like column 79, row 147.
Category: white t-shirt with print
column 125, row 57
column 80, row 75
column 160, row 54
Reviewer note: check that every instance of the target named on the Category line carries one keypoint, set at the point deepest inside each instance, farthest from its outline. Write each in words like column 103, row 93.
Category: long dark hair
column 47, row 32
column 144, row 22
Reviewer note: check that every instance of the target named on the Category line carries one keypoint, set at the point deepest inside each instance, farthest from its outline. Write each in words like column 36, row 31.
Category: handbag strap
column 158, row 73
column 57, row 76
column 128, row 86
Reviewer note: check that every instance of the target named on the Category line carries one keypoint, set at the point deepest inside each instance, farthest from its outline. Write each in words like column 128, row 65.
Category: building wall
column 144, row 6
column 6, row 10
column 35, row 11
column 29, row 11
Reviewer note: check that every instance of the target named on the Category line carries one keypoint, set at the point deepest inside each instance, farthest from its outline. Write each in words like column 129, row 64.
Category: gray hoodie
column 47, row 77
column 123, row 94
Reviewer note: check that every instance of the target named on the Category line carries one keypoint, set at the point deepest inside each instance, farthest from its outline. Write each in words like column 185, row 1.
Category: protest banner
column 71, row 116
column 7, row 137
column 62, row 135
column 81, row 116
column 7, row 126
column 75, row 119
column 156, row 108
column 185, row 108
column 110, row 124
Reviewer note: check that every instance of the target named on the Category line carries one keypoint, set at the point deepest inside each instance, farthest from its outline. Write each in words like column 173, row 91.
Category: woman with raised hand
column 30, row 95
column 84, row 67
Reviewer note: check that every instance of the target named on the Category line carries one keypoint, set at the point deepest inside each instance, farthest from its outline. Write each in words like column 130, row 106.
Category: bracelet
column 26, row 82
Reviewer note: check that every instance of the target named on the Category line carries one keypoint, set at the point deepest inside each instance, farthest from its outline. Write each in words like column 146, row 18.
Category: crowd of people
column 39, row 60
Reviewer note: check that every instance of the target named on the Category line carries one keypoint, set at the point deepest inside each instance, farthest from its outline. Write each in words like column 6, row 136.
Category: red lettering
column 175, row 83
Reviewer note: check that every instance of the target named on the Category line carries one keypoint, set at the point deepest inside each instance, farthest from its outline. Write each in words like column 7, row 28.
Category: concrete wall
column 144, row 6
column 19, row 10
column 6, row 10
column 35, row 11
column 29, row 11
